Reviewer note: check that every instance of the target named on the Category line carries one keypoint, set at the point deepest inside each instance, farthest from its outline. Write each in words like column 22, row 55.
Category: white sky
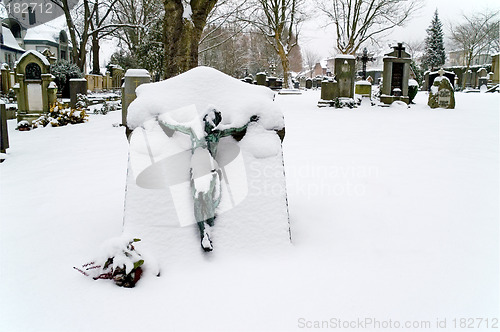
column 321, row 40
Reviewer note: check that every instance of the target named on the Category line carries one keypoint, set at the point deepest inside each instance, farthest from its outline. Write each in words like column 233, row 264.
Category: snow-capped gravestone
column 396, row 75
column 35, row 89
column 441, row 94
column 432, row 76
column 133, row 78
column 345, row 72
column 77, row 86
column 205, row 167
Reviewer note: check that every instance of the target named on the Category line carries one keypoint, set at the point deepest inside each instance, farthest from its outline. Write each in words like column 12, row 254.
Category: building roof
column 9, row 40
column 46, row 32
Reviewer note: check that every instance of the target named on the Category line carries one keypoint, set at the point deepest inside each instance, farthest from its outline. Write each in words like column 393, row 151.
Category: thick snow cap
column 206, row 87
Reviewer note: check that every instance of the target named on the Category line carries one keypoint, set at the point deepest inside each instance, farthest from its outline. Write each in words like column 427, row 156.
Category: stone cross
column 441, row 72
column 399, row 48
column 364, row 59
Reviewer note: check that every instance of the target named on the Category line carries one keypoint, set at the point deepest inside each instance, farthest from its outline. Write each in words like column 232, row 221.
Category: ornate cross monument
column 396, row 75
column 364, row 58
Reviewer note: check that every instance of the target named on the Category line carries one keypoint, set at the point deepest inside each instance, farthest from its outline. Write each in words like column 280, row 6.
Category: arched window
column 16, row 30
column 33, row 71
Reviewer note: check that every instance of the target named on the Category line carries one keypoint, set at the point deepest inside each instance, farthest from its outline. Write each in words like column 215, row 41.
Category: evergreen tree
column 434, row 55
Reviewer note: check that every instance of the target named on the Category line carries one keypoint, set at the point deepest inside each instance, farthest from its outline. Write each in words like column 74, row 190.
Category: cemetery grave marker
column 189, row 131
column 396, row 75
column 133, row 79
column 35, row 87
column 76, row 86
column 442, row 94
column 432, row 76
column 364, row 58
column 4, row 134
column 345, row 72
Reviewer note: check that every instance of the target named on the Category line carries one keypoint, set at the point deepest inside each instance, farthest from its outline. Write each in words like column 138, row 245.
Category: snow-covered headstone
column 34, row 89
column 133, row 78
column 345, row 74
column 77, row 86
column 441, row 94
column 396, row 75
column 205, row 147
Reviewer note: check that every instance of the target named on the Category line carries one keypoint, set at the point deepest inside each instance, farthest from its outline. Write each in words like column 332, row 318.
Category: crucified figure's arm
column 232, row 131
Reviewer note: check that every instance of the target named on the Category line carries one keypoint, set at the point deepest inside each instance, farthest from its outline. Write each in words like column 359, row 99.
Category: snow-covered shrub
column 105, row 108
column 344, row 102
column 412, row 89
column 23, row 126
column 60, row 116
column 63, row 70
column 119, row 262
column 82, row 101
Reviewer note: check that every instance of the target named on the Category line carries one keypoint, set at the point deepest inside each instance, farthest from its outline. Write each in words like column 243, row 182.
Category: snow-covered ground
column 394, row 216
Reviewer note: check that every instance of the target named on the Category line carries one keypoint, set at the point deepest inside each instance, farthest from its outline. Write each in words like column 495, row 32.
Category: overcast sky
column 321, row 40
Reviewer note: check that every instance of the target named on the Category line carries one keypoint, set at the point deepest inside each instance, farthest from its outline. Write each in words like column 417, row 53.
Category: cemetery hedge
column 63, row 71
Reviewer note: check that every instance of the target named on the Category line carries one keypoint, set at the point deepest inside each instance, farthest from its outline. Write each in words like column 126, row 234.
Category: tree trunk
column 95, row 55
column 182, row 35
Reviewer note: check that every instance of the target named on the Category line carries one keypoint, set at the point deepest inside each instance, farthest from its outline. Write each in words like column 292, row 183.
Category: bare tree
column 141, row 15
column 359, row 21
column 279, row 22
column 477, row 34
column 311, row 58
column 89, row 19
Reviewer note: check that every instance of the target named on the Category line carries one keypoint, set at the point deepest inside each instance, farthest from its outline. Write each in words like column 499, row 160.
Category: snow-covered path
column 394, row 216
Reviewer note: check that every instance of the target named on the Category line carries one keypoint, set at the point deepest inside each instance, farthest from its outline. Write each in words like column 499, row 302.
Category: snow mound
column 204, row 86
column 398, row 104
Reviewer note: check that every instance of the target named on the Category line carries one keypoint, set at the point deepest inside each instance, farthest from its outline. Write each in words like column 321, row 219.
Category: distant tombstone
column 261, row 78
column 273, row 82
column 296, row 85
column 314, row 83
column 482, row 77
column 425, row 85
column 482, row 73
column 432, row 76
column 279, row 83
column 309, row 83
column 76, row 86
column 482, row 83
column 319, row 82
column 442, row 93
column 175, row 148
column 302, row 82
column 5, row 71
column 396, row 75
column 345, row 72
column 363, row 88
column 468, row 79
column 329, row 92
column 133, row 78
column 35, row 89
column 4, row 135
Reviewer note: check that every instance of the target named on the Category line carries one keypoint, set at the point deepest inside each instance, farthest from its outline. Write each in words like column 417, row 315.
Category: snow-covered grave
column 394, row 213
column 168, row 122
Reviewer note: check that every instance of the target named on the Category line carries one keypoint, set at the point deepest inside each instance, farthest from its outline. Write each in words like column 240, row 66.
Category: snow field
column 394, row 215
